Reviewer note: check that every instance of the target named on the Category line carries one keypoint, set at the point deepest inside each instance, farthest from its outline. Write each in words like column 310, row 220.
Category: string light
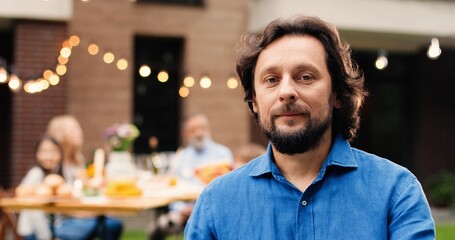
column 3, row 75
column 60, row 69
column 54, row 79
column 184, row 92
column 122, row 64
column 205, row 82
column 188, row 81
column 163, row 76
column 65, row 52
column 74, row 40
column 108, row 57
column 232, row 82
column 145, row 70
column 93, row 49
column 14, row 83
column 381, row 61
column 434, row 51
column 44, row 83
column 62, row 60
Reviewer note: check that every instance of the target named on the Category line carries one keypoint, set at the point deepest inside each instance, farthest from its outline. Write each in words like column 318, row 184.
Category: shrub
column 441, row 189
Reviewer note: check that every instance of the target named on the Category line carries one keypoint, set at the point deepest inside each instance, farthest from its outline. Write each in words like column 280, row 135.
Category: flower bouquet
column 121, row 136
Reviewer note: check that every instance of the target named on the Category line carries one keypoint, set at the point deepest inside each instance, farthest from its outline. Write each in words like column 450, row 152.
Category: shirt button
column 304, row 203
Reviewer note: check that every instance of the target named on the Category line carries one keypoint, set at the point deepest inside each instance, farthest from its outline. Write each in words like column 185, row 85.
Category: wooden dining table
column 154, row 196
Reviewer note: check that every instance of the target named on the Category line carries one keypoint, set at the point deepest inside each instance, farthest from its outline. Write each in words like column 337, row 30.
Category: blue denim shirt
column 356, row 195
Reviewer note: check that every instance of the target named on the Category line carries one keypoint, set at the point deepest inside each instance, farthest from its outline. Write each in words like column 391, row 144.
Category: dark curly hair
column 347, row 78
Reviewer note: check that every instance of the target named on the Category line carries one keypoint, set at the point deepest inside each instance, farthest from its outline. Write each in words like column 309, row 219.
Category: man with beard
column 305, row 91
column 198, row 152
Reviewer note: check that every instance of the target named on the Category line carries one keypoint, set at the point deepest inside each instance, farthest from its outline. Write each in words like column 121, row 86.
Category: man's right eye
column 271, row 80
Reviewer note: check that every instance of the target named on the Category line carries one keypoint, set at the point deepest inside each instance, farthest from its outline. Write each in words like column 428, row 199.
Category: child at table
column 34, row 224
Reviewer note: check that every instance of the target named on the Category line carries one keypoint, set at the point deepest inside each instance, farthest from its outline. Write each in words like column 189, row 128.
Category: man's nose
column 288, row 92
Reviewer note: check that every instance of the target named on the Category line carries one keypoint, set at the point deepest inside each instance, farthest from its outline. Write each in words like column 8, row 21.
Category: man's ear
column 255, row 106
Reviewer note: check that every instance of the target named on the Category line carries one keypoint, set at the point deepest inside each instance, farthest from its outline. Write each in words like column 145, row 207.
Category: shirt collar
column 340, row 155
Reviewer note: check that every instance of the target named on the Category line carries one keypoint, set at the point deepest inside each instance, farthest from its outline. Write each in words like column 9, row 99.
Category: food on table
column 53, row 180
column 25, row 191
column 122, row 188
column 43, row 191
column 209, row 172
column 64, row 191
column 53, row 185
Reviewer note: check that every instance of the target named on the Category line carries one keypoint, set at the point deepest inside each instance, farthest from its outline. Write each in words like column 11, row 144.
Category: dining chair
column 8, row 220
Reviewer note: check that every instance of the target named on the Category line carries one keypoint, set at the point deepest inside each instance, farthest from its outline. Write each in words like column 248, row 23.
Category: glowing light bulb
column 205, row 82
column 93, row 49
column 14, row 83
column 145, row 71
column 163, row 76
column 62, row 60
column 65, row 52
column 122, row 64
column 184, row 92
column 434, row 51
column 54, row 79
column 381, row 61
column 232, row 83
column 3, row 75
column 188, row 81
column 74, row 40
column 108, row 57
column 60, row 70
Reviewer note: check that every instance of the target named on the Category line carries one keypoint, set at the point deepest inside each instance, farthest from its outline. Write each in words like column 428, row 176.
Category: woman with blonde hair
column 68, row 132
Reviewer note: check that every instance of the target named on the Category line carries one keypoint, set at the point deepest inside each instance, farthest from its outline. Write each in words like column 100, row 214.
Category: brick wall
column 36, row 48
column 100, row 95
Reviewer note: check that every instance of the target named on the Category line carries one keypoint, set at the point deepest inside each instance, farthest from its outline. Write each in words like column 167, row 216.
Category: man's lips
column 290, row 114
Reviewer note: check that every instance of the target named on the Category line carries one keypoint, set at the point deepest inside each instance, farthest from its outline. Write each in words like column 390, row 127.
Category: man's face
column 197, row 131
column 293, row 93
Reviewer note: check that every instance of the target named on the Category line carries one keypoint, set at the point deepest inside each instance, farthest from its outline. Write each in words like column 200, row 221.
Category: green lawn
column 140, row 235
column 443, row 232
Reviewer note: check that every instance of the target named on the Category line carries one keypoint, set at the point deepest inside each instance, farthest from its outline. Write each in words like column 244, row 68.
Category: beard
column 198, row 142
column 302, row 140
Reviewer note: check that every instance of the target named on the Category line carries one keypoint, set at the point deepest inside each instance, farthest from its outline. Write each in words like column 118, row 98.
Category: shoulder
column 378, row 164
column 384, row 172
column 34, row 176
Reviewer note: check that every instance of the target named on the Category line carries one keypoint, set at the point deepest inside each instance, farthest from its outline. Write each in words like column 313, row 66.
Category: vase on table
column 120, row 166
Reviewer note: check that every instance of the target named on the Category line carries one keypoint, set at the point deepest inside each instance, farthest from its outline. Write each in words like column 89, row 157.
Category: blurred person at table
column 199, row 151
column 34, row 224
column 68, row 132
column 306, row 92
column 246, row 153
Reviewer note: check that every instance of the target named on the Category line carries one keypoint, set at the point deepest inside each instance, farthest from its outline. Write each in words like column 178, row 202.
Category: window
column 157, row 104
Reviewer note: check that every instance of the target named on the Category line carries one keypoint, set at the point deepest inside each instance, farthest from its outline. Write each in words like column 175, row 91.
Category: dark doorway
column 157, row 104
column 387, row 123
column 6, row 58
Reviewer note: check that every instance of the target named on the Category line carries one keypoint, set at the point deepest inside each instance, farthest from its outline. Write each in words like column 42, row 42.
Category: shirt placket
column 305, row 218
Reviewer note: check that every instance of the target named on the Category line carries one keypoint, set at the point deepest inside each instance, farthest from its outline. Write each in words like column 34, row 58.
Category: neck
column 301, row 169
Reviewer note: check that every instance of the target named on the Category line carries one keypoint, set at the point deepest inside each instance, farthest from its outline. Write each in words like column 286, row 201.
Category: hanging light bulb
column 14, row 83
column 232, row 82
column 205, row 82
column 382, row 61
column 144, row 70
column 188, row 81
column 3, row 75
column 434, row 51
column 184, row 92
column 163, row 76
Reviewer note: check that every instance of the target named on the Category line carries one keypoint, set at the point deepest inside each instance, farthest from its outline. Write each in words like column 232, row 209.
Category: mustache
column 289, row 108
